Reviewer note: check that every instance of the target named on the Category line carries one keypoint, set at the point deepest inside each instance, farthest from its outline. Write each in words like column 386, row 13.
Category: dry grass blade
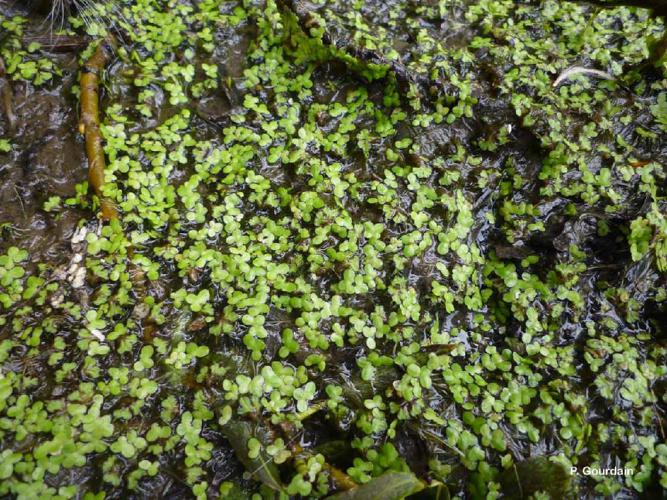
column 580, row 70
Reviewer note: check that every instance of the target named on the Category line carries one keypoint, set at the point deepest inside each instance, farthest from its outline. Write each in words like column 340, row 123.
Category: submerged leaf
column 261, row 466
column 389, row 486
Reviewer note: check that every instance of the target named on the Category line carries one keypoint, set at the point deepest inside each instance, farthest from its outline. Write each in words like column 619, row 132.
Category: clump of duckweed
column 21, row 62
column 329, row 276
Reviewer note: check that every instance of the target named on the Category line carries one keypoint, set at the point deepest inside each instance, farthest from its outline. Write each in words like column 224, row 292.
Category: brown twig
column 90, row 122
column 6, row 97
column 340, row 478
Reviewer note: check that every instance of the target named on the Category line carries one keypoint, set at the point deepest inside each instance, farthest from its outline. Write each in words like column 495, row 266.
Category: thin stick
column 18, row 195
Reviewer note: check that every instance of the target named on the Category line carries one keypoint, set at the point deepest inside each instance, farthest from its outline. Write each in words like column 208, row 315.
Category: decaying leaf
column 535, row 474
column 262, row 467
column 389, row 486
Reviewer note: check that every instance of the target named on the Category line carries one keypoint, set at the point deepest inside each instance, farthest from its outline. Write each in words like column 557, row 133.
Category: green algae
column 388, row 228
